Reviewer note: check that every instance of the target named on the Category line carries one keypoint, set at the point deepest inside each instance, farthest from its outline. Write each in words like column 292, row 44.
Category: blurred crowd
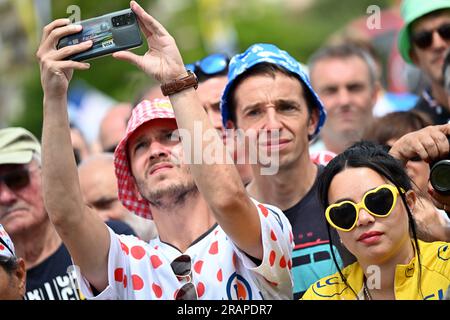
column 358, row 208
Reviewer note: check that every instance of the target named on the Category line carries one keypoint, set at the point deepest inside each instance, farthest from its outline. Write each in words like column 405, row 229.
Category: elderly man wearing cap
column 214, row 241
column 23, row 215
column 268, row 91
column 12, row 270
column 22, row 211
column 423, row 41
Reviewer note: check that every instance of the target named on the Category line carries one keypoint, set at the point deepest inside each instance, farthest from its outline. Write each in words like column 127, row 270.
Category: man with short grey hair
column 345, row 79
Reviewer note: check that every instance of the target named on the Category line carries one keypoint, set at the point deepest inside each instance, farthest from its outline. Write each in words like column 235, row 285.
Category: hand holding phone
column 162, row 60
column 109, row 33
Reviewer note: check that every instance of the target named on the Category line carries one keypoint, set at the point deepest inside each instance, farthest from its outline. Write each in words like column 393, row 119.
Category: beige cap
column 17, row 146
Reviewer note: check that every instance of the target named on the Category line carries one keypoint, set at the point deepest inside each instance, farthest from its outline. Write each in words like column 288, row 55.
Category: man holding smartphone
column 214, row 241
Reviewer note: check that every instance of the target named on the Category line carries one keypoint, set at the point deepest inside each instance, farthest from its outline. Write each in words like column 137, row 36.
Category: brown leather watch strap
column 178, row 85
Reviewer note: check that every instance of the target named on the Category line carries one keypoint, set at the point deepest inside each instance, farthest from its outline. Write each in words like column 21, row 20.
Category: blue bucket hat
column 259, row 53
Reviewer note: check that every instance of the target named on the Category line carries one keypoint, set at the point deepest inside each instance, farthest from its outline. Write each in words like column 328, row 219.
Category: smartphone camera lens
column 123, row 20
column 129, row 19
column 115, row 21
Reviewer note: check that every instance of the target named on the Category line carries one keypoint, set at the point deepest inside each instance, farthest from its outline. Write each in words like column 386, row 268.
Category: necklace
column 367, row 295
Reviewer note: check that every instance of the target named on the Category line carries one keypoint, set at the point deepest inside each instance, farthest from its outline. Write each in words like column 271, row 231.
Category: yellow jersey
column 434, row 282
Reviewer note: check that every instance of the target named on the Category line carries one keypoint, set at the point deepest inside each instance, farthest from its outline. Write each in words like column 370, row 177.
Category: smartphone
column 110, row 33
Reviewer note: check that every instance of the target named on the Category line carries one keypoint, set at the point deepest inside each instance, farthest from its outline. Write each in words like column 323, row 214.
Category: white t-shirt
column 220, row 270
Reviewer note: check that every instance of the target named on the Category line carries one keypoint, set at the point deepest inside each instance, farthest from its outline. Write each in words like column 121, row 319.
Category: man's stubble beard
column 169, row 196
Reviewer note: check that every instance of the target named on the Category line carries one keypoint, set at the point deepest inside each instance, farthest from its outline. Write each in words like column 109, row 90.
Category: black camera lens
column 115, row 22
column 123, row 20
column 129, row 18
column 440, row 176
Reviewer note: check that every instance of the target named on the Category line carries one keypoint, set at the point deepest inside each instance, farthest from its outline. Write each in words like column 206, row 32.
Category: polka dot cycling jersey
column 219, row 270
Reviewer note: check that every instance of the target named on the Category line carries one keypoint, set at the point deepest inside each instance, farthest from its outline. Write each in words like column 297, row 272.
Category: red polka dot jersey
column 219, row 270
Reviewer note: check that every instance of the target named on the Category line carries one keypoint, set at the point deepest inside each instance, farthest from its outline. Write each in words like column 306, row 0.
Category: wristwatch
column 178, row 85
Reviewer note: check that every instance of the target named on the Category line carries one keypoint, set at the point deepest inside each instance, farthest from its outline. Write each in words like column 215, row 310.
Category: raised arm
column 220, row 184
column 81, row 230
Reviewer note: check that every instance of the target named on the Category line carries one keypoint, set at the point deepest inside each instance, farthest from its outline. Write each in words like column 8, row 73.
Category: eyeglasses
column 17, row 179
column 214, row 64
column 181, row 266
column 424, row 39
column 378, row 202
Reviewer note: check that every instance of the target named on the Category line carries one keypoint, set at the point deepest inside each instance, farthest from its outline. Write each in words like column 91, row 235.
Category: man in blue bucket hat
column 423, row 41
column 268, row 91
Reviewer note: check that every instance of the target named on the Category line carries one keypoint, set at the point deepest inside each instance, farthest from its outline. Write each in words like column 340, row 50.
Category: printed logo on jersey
column 320, row 287
column 439, row 295
column 444, row 252
column 238, row 288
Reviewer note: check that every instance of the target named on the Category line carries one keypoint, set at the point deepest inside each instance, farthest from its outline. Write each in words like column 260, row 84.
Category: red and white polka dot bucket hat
column 6, row 245
column 128, row 192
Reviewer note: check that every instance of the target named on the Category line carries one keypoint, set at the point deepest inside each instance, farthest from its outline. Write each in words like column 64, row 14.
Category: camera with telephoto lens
column 440, row 174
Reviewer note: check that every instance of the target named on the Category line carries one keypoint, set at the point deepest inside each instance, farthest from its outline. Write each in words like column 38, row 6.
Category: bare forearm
column 226, row 184
column 75, row 223
column 219, row 183
column 60, row 179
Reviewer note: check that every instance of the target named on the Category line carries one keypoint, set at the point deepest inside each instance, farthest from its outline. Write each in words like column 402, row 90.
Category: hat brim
column 404, row 45
column 267, row 54
column 18, row 157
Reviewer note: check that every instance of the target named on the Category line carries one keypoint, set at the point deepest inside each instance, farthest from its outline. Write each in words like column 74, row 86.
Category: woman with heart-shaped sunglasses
column 368, row 198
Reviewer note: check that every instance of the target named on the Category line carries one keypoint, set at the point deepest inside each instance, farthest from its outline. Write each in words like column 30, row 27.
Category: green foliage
column 299, row 32
column 32, row 116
